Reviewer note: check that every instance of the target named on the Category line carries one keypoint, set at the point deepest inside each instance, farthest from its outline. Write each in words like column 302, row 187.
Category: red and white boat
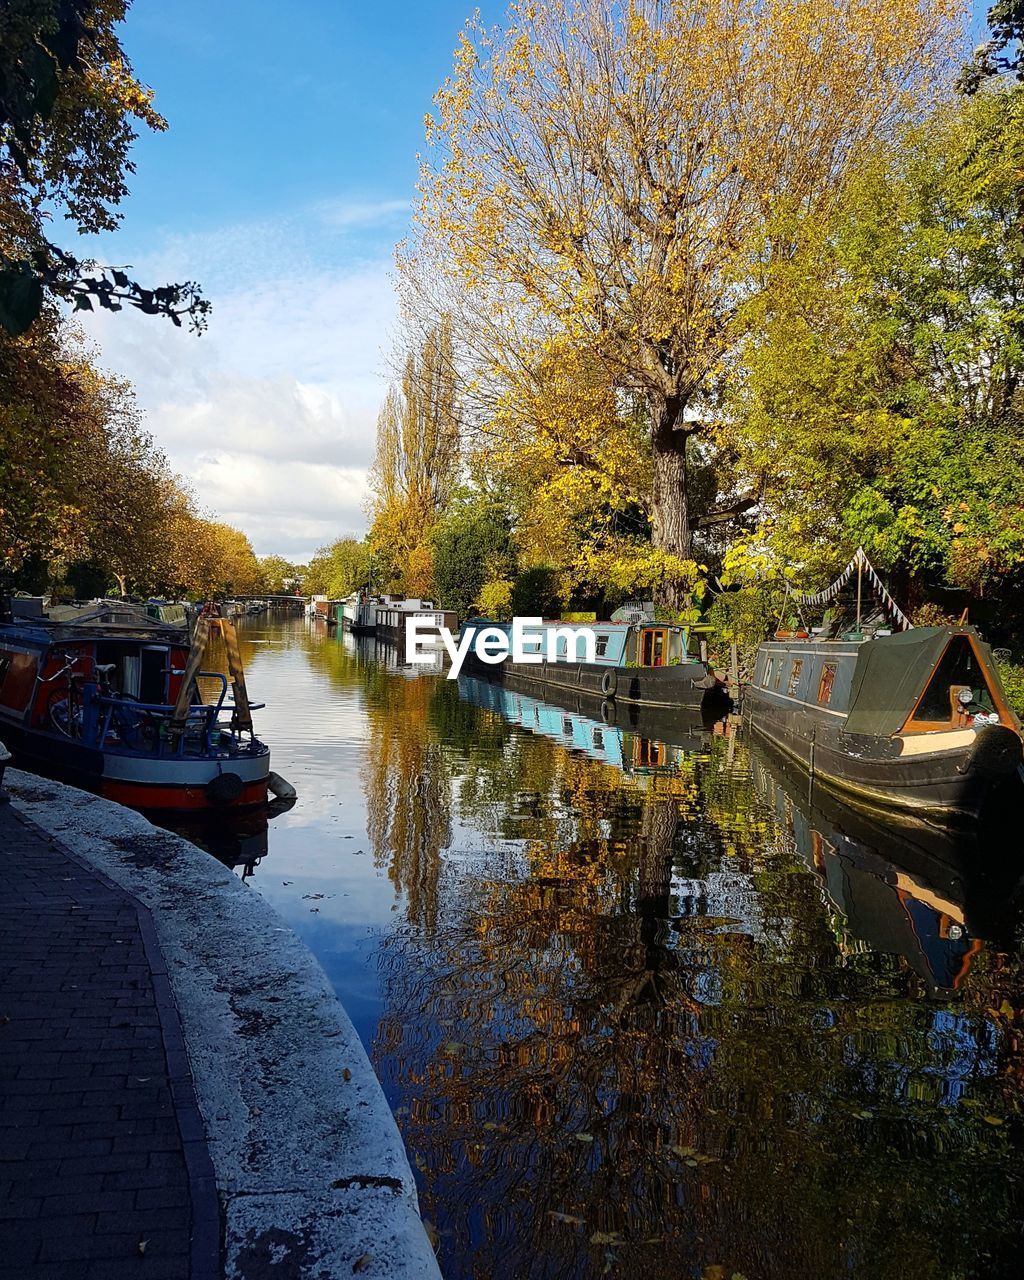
column 111, row 702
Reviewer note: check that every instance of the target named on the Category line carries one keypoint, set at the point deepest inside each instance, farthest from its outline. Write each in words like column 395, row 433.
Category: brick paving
column 104, row 1169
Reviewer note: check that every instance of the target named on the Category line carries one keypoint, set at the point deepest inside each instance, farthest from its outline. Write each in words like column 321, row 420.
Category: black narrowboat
column 638, row 660
column 914, row 721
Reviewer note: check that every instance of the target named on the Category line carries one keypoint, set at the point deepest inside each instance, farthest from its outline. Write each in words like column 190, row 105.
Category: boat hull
column 687, row 686
column 949, row 785
column 155, row 785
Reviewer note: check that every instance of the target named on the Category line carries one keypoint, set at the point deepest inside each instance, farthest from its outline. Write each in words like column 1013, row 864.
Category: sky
column 282, row 184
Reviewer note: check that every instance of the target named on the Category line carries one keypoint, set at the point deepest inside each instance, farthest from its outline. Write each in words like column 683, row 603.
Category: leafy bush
column 537, row 592
column 1012, row 676
column 495, row 599
column 472, row 545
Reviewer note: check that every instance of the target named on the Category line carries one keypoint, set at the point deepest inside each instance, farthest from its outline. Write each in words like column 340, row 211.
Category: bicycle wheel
column 64, row 711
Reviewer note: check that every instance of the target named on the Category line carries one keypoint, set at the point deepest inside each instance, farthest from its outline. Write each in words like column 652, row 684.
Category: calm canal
column 639, row 1008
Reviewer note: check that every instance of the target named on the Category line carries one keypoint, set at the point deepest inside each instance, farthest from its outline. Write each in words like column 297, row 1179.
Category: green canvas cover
column 891, row 674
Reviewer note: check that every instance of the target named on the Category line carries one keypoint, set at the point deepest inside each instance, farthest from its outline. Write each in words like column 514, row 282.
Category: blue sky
column 282, row 184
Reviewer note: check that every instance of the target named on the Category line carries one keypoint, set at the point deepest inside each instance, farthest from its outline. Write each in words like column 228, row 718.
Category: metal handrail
column 108, row 704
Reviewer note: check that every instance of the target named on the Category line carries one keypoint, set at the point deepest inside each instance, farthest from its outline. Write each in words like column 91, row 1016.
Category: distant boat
column 108, row 700
column 637, row 659
column 911, row 720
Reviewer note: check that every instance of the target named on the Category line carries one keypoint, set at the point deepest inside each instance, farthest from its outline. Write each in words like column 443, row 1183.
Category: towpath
column 104, row 1168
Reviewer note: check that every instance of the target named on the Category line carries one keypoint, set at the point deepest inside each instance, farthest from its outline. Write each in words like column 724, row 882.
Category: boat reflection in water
column 627, row 740
column 914, row 891
column 240, row 842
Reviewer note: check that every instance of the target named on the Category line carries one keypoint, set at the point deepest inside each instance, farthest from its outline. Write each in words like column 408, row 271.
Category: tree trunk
column 670, row 499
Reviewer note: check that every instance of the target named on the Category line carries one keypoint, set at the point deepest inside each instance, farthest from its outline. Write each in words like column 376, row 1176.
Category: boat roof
column 45, row 631
column 893, row 671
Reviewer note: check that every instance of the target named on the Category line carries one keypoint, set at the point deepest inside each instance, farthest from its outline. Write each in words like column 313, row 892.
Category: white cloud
column 362, row 213
column 270, row 413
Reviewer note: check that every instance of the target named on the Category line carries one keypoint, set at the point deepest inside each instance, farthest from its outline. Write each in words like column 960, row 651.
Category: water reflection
column 642, row 1007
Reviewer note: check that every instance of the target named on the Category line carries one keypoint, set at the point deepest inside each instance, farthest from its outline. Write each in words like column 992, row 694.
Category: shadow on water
column 641, row 1007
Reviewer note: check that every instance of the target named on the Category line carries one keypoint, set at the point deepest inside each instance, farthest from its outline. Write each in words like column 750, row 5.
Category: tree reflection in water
column 630, row 1031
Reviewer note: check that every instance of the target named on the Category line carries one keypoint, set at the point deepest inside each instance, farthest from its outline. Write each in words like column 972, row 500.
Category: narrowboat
column 110, row 702
column 637, row 659
column 912, row 720
column 363, row 614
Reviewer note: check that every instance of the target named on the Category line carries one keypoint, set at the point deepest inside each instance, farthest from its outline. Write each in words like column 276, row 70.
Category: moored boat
column 110, row 701
column 911, row 720
column 637, row 659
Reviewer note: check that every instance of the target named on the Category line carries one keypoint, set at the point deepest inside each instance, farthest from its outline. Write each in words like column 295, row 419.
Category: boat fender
column 609, row 683
column 225, row 789
column 608, row 712
column 280, row 787
column 997, row 750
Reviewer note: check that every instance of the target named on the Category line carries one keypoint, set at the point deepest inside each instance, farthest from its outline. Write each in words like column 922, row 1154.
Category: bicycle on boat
column 66, row 704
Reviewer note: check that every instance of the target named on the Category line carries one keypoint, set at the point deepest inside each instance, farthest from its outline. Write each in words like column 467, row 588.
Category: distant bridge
column 278, row 603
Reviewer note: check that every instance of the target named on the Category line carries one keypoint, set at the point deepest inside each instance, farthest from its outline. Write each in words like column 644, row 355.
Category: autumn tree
column 607, row 177
column 339, row 569
column 416, row 461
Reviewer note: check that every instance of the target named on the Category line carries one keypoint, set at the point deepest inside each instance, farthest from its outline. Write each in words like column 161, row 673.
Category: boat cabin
column 923, row 681
column 616, row 644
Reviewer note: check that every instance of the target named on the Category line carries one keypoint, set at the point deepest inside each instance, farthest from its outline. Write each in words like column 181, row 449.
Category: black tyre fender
column 610, row 683
column 225, row 789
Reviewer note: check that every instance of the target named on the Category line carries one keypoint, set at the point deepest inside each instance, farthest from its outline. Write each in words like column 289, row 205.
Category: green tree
column 339, row 569
column 69, row 104
column 472, row 546
column 279, row 576
column 882, row 403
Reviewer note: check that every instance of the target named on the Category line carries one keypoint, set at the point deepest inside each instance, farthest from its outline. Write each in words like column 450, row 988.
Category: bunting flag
column 859, row 561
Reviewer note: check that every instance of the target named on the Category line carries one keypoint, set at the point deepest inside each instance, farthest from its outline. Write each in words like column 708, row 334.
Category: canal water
column 640, row 1005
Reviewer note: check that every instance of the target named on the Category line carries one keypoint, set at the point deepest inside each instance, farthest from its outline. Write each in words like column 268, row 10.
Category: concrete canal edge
column 311, row 1172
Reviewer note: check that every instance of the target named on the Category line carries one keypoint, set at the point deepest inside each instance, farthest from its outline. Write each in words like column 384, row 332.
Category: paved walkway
column 104, row 1168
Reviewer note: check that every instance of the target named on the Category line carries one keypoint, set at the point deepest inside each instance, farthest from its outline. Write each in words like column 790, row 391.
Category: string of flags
column 860, row 561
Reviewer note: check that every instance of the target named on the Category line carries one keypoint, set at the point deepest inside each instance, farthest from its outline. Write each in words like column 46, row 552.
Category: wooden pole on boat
column 200, row 637
column 242, row 714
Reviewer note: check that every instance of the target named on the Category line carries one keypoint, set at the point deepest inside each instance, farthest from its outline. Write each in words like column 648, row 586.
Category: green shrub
column 537, row 593
column 1012, row 676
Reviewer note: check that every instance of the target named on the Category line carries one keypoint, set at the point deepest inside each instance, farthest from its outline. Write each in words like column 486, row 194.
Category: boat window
column 957, row 691
column 794, row 675
column 828, row 677
column 652, row 647
column 601, row 650
column 767, row 671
